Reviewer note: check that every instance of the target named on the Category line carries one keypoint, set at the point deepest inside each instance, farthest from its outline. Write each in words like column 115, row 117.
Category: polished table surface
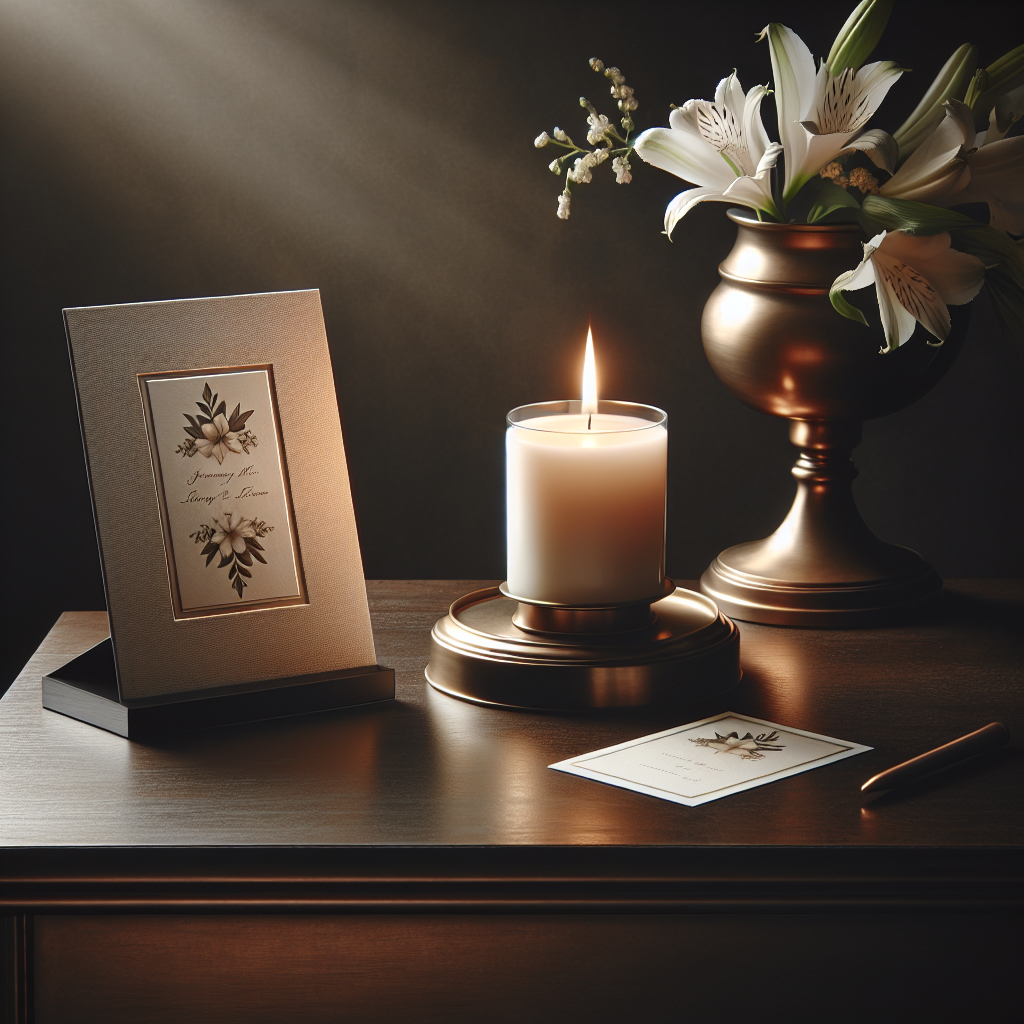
column 427, row 803
column 428, row 769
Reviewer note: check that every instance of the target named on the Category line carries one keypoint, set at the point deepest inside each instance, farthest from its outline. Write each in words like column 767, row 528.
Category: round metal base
column 830, row 605
column 477, row 653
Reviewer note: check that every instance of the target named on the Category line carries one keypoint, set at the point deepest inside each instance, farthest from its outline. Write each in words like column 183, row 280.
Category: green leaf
column 859, row 36
column 210, row 558
column 207, row 393
column 913, row 218
column 226, row 560
column 219, row 411
column 841, row 305
column 831, row 197
column 234, row 569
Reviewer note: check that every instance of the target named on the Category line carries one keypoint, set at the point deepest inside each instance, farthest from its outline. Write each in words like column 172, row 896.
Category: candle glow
column 589, row 378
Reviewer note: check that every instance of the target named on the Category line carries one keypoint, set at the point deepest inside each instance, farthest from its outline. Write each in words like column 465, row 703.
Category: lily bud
column 859, row 36
column 950, row 84
column 993, row 82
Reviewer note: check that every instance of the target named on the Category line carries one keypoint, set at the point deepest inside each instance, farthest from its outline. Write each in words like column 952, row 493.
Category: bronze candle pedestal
column 773, row 338
column 496, row 650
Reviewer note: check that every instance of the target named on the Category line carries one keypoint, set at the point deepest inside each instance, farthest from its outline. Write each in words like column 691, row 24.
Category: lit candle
column 586, row 499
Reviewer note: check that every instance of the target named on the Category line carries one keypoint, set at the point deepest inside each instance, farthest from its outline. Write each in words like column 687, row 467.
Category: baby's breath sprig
column 604, row 140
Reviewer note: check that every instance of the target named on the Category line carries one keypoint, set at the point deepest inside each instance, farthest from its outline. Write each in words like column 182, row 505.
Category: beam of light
column 266, row 122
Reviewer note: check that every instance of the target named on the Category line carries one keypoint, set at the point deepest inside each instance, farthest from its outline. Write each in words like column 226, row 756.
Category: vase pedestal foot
column 753, row 598
column 822, row 567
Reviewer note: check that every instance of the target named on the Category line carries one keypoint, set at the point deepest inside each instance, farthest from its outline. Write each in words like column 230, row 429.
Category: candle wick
column 590, row 416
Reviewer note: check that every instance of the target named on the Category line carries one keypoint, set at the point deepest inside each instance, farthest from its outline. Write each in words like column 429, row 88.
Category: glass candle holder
column 585, row 503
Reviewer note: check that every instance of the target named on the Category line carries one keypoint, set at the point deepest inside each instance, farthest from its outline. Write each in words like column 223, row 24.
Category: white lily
column 821, row 115
column 948, row 168
column 720, row 146
column 915, row 280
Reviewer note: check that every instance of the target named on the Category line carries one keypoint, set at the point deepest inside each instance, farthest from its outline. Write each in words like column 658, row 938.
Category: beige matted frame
column 157, row 653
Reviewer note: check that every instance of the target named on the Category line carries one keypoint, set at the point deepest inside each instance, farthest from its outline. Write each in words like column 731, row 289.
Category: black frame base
column 86, row 689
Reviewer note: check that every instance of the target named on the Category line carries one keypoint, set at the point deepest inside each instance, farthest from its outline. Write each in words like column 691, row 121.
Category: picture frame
column 223, row 514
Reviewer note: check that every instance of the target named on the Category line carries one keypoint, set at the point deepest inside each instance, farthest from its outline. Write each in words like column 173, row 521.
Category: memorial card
column 225, row 506
column 693, row 764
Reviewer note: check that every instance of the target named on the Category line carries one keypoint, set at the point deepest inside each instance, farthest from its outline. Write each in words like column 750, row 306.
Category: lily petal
column 685, row 155
column 897, row 322
column 936, row 168
column 686, row 201
column 956, row 276
column 880, row 148
column 997, row 178
column 753, row 126
column 915, row 298
column 793, row 74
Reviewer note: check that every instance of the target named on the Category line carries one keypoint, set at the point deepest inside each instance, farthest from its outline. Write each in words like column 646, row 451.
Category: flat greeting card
column 693, row 764
column 223, row 512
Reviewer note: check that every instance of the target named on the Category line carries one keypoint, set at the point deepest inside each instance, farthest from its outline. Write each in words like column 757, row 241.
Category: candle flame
column 589, row 378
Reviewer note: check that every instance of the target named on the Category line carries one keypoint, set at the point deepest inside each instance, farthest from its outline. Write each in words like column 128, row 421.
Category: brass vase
column 773, row 338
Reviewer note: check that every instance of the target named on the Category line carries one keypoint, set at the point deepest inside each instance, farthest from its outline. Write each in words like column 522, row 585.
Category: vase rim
column 748, row 220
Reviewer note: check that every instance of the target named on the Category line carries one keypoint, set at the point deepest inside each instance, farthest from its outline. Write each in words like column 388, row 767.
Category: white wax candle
column 586, row 508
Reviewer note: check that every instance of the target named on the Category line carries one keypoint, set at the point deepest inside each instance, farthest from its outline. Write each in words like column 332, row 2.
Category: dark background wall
column 382, row 152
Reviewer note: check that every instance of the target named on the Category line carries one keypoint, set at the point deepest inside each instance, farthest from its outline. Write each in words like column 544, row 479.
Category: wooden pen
column 991, row 737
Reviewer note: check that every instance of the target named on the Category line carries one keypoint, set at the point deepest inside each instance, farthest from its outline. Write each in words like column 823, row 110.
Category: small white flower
column 560, row 135
column 563, row 206
column 598, row 157
column 597, row 65
column 621, row 169
column 615, row 76
column 580, row 172
column 542, row 140
column 599, row 127
column 555, row 167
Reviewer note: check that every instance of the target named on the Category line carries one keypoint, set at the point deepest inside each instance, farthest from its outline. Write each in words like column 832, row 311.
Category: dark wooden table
column 417, row 860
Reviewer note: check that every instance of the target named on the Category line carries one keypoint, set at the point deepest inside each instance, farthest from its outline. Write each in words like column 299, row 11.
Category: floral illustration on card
column 213, row 434
column 235, row 540
column 749, row 747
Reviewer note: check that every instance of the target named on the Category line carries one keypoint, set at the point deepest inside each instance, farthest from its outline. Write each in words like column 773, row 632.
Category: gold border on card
column 158, row 480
